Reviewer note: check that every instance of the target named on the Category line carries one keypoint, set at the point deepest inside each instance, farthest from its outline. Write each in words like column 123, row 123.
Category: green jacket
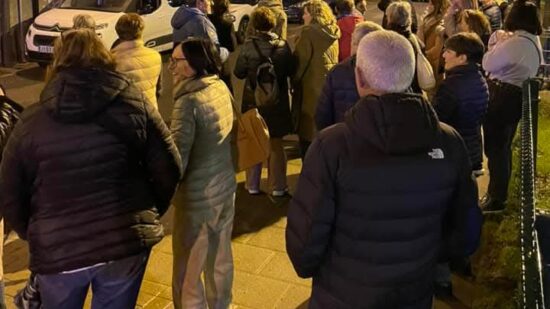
column 316, row 52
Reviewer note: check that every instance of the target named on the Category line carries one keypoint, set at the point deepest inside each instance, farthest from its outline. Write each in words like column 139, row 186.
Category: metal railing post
column 531, row 270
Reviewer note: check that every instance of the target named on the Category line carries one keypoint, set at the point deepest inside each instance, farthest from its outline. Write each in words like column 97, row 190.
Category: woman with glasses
column 202, row 120
column 84, row 178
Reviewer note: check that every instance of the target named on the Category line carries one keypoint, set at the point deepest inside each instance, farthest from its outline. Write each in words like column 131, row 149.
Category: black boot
column 488, row 204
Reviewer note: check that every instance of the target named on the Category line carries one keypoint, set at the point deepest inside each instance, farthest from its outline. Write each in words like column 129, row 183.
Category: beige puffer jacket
column 202, row 120
column 141, row 64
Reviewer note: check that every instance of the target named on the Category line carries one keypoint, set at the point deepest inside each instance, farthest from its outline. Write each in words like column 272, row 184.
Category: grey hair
column 386, row 60
column 362, row 29
column 399, row 14
column 83, row 21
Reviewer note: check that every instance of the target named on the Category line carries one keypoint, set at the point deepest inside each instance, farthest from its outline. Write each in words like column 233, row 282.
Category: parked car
column 156, row 14
column 294, row 10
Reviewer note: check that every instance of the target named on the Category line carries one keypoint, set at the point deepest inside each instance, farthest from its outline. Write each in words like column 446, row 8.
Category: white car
column 157, row 15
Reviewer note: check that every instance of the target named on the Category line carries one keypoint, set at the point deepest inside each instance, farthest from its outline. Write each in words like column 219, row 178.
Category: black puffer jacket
column 339, row 94
column 9, row 115
column 277, row 117
column 461, row 101
column 379, row 197
column 72, row 188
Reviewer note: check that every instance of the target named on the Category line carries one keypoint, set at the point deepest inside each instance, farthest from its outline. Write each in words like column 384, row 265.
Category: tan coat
column 316, row 52
column 431, row 32
column 141, row 64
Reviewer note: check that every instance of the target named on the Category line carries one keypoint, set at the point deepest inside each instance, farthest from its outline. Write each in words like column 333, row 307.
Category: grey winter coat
column 202, row 120
column 192, row 22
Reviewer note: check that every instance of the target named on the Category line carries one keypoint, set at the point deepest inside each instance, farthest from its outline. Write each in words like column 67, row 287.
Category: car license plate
column 45, row 49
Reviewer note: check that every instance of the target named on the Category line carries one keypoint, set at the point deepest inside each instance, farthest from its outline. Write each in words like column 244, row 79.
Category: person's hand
column 498, row 37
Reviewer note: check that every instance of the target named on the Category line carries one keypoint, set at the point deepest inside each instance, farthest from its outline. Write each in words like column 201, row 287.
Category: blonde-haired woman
column 432, row 33
column 452, row 16
column 316, row 52
column 84, row 178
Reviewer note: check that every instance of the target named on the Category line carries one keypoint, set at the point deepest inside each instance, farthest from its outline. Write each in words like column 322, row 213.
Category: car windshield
column 98, row 5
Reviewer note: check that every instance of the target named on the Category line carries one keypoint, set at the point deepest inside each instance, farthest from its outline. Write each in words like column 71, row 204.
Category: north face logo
column 437, row 153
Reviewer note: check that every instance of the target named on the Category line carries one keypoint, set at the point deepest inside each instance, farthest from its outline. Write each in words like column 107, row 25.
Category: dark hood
column 399, row 123
column 184, row 15
column 77, row 95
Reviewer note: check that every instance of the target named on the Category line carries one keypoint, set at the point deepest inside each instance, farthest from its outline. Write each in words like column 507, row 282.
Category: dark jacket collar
column 397, row 123
column 78, row 94
column 467, row 68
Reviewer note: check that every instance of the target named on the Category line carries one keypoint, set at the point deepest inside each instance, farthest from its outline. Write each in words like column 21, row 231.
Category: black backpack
column 264, row 83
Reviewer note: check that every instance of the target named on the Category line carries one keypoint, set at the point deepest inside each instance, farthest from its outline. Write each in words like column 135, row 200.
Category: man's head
column 385, row 64
column 344, row 7
column 463, row 48
column 263, row 19
column 83, row 21
column 129, row 27
column 203, row 5
column 362, row 29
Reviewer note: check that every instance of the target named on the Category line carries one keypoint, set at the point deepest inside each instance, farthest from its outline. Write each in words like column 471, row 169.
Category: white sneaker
column 279, row 193
column 253, row 191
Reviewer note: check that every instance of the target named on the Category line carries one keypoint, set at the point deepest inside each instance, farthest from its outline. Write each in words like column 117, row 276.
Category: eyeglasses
column 174, row 61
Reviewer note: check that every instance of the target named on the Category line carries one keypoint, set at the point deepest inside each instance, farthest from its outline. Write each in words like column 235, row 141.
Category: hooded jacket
column 380, row 198
column 461, row 102
column 192, row 22
column 74, row 189
column 347, row 25
column 316, row 52
column 281, row 20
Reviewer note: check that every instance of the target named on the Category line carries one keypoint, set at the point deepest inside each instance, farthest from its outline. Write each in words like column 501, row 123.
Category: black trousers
column 498, row 149
column 499, row 128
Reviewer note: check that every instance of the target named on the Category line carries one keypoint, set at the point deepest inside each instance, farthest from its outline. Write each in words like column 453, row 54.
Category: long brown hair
column 440, row 7
column 80, row 48
column 477, row 22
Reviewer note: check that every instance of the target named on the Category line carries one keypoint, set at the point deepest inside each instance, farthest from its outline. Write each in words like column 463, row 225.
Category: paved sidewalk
column 264, row 277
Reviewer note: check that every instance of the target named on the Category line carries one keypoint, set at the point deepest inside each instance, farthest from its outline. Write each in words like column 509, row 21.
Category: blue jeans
column 114, row 285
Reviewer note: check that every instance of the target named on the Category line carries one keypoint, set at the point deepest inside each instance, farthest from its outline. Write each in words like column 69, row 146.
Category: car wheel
column 241, row 33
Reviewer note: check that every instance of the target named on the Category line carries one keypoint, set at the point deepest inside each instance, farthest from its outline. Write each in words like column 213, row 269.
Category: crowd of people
column 392, row 120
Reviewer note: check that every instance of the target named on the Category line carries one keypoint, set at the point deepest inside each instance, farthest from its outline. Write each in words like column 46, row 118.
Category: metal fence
column 532, row 295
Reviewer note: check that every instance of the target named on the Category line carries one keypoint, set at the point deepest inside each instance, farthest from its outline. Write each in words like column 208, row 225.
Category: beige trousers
column 276, row 169
column 202, row 246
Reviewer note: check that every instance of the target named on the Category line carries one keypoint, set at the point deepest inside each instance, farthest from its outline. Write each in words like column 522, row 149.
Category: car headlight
column 101, row 26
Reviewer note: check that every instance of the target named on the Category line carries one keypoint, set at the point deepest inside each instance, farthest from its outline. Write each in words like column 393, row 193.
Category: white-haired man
column 383, row 195
column 339, row 92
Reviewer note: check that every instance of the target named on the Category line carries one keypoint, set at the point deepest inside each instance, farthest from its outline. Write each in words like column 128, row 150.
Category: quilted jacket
column 77, row 191
column 202, row 121
column 142, row 65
